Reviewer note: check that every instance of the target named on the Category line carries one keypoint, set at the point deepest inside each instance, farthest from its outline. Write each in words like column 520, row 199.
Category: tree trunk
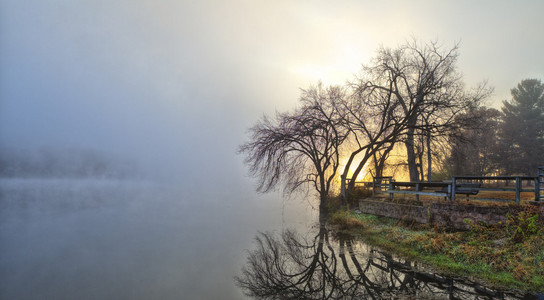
column 323, row 206
column 376, row 165
column 343, row 196
column 344, row 178
column 429, row 157
column 383, row 158
column 368, row 155
column 323, row 195
column 421, row 174
column 411, row 155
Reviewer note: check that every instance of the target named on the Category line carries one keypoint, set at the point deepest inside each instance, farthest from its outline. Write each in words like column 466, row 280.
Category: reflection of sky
column 172, row 80
column 107, row 239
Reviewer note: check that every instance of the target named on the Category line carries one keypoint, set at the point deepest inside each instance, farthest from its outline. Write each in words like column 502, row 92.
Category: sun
column 360, row 177
column 340, row 68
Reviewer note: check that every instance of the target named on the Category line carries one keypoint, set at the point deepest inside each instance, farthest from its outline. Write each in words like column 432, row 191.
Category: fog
column 176, row 84
column 120, row 120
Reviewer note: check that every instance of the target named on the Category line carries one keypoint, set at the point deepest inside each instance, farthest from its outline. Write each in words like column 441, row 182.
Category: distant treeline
column 63, row 163
column 508, row 141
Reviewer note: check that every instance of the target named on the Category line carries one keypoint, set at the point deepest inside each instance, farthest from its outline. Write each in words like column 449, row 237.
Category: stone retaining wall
column 441, row 214
column 419, row 214
column 454, row 216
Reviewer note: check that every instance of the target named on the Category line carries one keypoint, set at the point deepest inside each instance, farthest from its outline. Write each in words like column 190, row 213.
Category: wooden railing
column 517, row 189
column 381, row 184
column 467, row 185
column 419, row 188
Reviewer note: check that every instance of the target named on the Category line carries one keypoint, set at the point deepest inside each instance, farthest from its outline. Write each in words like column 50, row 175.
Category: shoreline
column 508, row 256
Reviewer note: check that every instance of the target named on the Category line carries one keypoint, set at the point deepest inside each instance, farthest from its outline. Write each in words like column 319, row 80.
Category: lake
column 115, row 239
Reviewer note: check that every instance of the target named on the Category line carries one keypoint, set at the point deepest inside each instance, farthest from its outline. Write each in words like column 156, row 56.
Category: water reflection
column 115, row 239
column 292, row 266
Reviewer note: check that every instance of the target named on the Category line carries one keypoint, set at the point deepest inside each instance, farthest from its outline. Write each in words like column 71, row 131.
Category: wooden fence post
column 453, row 183
column 391, row 187
column 518, row 189
column 537, row 188
column 373, row 187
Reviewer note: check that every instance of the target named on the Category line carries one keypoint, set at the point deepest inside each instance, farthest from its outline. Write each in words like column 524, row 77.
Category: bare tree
column 380, row 160
column 421, row 95
column 299, row 147
column 446, row 116
column 376, row 122
column 407, row 95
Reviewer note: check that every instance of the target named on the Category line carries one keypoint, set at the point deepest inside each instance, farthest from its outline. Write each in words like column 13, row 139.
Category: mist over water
column 118, row 239
column 120, row 120
column 91, row 238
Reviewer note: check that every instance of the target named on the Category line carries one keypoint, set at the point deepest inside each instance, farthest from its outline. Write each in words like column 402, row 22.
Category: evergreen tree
column 474, row 147
column 522, row 129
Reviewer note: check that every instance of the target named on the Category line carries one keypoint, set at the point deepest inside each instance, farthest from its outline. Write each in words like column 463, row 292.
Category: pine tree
column 522, row 130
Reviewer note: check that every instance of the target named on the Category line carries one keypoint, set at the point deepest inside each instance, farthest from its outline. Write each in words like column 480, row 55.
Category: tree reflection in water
column 290, row 266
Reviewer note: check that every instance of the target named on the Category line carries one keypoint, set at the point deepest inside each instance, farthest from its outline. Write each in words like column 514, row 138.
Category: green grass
column 506, row 256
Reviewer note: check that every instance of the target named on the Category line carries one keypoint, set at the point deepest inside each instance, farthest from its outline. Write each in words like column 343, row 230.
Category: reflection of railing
column 465, row 185
column 435, row 284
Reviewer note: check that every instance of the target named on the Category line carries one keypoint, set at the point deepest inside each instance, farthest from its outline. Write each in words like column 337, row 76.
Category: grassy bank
column 506, row 256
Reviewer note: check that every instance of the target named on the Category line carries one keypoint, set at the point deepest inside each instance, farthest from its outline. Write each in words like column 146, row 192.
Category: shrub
column 522, row 225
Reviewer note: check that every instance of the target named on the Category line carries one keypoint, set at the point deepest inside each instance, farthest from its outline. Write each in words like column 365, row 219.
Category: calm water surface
column 107, row 239
column 103, row 239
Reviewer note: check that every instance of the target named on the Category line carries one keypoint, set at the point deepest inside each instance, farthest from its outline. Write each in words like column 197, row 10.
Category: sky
column 176, row 84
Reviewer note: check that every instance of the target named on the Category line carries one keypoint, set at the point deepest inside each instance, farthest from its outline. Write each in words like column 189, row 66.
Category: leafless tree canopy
column 428, row 89
column 299, row 147
column 406, row 93
column 410, row 98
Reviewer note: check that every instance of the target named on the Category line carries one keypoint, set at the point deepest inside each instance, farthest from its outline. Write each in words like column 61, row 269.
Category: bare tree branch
column 299, row 147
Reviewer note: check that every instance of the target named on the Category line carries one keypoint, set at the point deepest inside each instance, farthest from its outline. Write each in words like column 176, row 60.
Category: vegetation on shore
column 506, row 256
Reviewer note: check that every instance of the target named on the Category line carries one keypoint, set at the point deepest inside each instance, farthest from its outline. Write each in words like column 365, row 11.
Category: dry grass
column 509, row 255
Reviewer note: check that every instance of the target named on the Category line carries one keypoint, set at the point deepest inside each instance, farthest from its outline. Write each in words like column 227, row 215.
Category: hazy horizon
column 175, row 85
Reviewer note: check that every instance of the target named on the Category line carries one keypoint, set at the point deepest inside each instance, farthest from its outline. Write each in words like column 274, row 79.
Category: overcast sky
column 178, row 83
